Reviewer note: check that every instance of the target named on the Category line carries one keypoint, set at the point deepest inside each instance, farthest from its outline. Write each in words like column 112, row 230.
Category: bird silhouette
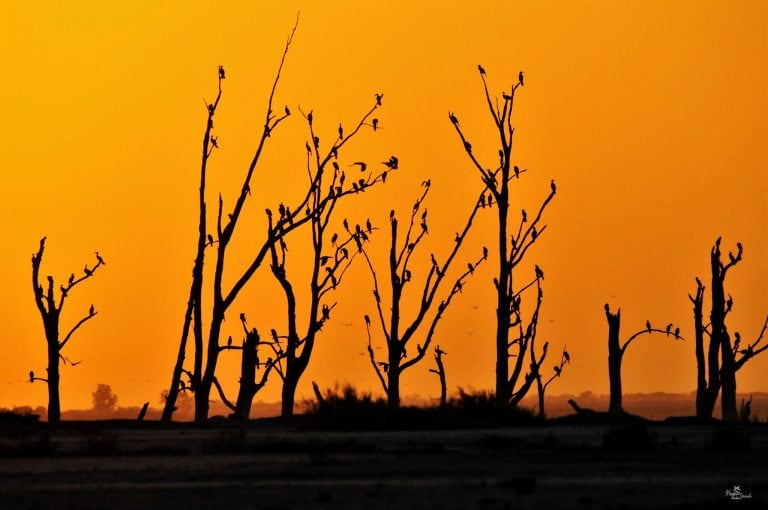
column 341, row 132
column 539, row 272
column 468, row 147
column 485, row 252
column 506, row 96
column 557, row 370
column 520, row 78
column 677, row 332
column 453, row 118
column 100, row 260
column 481, row 69
column 361, row 164
column 222, row 74
column 517, row 171
column 471, row 268
column 552, row 185
column 392, row 163
column 310, row 117
column 87, row 271
column 648, row 326
column 378, row 99
column 92, row 310
column 31, row 376
column 367, row 320
column 524, row 215
column 287, row 111
column 534, row 234
column 566, row 356
column 368, row 225
column 668, row 328
column 334, row 237
column 71, row 279
column 210, row 240
column 607, row 308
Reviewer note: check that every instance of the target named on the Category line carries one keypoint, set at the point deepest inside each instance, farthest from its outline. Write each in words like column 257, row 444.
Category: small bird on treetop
column 520, row 78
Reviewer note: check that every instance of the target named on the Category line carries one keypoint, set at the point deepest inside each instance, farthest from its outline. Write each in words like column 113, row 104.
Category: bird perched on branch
column 222, row 74
column 378, row 99
column 648, row 326
column 453, row 118
column 481, row 69
column 367, row 320
column 552, row 185
column 100, row 260
column 539, row 272
column 391, row 163
column 520, row 78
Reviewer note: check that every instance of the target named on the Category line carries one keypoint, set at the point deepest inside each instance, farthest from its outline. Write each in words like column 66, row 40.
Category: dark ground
column 119, row 465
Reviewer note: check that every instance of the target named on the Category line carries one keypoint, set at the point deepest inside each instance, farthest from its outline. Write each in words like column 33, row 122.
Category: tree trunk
column 703, row 410
column 540, row 387
column 614, row 361
column 728, row 378
column 54, row 402
column 503, row 389
column 248, row 366
column 393, row 382
column 289, row 396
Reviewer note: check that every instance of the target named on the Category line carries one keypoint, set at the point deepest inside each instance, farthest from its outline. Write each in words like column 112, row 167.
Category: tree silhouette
column 104, row 399
column 396, row 332
column 440, row 371
column 332, row 255
column 616, row 352
column 50, row 308
column 513, row 245
column 203, row 375
column 723, row 359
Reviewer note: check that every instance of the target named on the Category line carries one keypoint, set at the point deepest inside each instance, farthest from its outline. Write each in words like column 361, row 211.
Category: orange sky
column 651, row 116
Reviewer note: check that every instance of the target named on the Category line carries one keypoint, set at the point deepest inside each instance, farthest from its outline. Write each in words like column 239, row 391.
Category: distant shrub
column 345, row 408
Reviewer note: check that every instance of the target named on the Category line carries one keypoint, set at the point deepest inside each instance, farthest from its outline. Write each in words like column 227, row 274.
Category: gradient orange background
column 651, row 116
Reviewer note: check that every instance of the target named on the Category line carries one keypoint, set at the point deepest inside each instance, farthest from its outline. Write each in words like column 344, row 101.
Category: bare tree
column 440, row 371
column 616, row 352
column 331, row 255
column 397, row 333
column 723, row 358
column 513, row 245
column 203, row 375
column 50, row 307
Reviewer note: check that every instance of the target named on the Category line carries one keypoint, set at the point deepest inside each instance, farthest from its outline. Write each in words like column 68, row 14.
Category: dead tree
column 723, row 359
column 331, row 254
column 513, row 245
column 396, row 331
column 616, row 352
column 50, row 307
column 203, row 375
column 440, row 371
column 250, row 363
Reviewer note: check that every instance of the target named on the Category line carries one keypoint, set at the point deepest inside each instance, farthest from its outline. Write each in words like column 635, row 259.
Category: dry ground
column 120, row 466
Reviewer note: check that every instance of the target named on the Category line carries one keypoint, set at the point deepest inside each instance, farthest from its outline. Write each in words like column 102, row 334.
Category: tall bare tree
column 616, row 352
column 331, row 255
column 50, row 307
column 396, row 331
column 203, row 375
column 723, row 358
column 512, row 382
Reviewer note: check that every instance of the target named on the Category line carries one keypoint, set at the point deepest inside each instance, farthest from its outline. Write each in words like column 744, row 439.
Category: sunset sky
column 651, row 116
